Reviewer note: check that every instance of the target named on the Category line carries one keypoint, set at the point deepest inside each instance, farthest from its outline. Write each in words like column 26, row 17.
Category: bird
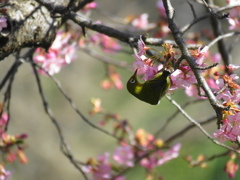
column 151, row 91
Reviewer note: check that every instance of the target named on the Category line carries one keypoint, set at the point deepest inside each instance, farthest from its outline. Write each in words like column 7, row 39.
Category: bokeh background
column 81, row 81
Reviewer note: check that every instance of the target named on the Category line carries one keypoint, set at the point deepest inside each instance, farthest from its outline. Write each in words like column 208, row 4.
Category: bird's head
column 133, row 86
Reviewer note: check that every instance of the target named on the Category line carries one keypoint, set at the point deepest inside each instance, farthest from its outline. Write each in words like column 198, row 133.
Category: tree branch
column 63, row 145
column 217, row 30
column 200, row 127
column 191, row 61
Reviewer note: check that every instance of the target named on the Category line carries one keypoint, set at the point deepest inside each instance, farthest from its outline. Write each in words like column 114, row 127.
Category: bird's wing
column 155, row 89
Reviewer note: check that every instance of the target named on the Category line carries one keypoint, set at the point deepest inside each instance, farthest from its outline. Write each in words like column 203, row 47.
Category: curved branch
column 200, row 127
column 196, row 20
column 73, row 105
column 63, row 145
column 187, row 128
column 222, row 37
column 191, row 61
column 217, row 30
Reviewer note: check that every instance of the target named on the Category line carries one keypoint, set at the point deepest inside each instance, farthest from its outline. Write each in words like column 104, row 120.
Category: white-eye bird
column 150, row 91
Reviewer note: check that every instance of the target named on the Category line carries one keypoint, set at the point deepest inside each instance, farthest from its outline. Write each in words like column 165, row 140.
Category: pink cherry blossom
column 235, row 121
column 233, row 2
column 141, row 22
column 234, row 18
column 160, row 157
column 142, row 64
column 3, row 122
column 161, row 8
column 226, row 132
column 227, row 94
column 101, row 171
column 216, row 57
column 104, row 158
column 212, row 83
column 59, row 54
column 3, row 23
column 3, row 119
column 231, row 168
column 169, row 154
column 200, row 55
column 4, row 174
column 89, row 7
column 149, row 162
column 124, row 155
column 141, row 47
column 183, row 79
column 108, row 44
column 233, row 67
column 236, row 97
column 192, row 91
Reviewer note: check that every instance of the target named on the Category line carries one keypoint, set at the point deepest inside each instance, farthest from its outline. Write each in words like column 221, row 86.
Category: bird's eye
column 132, row 81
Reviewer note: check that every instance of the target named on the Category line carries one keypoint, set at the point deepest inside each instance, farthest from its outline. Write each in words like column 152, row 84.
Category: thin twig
column 63, row 145
column 106, row 59
column 193, row 10
column 207, row 67
column 7, row 98
column 199, row 126
column 210, row 158
column 211, row 6
column 73, row 105
column 11, row 71
column 222, row 37
column 211, row 10
column 188, row 26
column 187, row 128
column 222, row 48
column 15, row 66
column 222, row 89
column 157, row 133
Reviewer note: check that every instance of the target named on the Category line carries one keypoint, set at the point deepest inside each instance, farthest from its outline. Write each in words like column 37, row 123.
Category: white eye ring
column 132, row 81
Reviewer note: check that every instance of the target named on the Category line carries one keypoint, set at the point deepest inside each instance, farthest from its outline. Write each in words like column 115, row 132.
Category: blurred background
column 81, row 80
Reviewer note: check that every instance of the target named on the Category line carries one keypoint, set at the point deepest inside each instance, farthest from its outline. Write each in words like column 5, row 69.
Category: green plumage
column 152, row 90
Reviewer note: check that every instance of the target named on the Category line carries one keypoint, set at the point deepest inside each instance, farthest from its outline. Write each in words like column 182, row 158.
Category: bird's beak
column 135, row 73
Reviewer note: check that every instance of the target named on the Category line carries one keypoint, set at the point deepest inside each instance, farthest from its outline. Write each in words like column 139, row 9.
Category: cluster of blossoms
column 140, row 22
column 108, row 44
column 228, row 91
column 224, row 86
column 127, row 156
column 234, row 15
column 180, row 78
column 61, row 53
column 113, row 79
column 146, row 150
column 231, row 166
column 12, row 147
column 64, row 48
